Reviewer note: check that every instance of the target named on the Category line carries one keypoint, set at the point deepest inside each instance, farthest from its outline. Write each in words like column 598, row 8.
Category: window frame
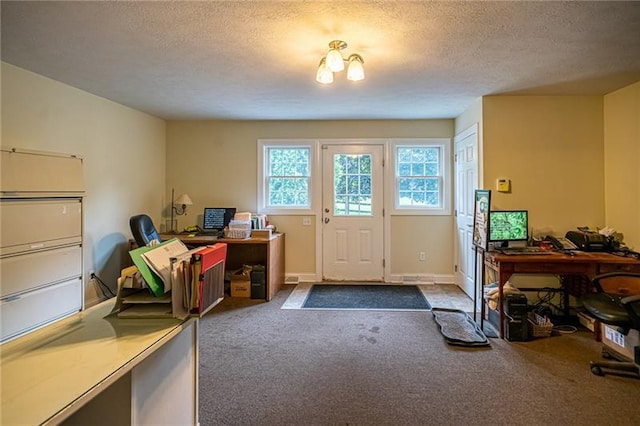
column 262, row 188
column 390, row 174
column 445, row 184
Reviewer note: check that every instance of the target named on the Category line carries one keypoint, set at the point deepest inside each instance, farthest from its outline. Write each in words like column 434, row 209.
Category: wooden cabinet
column 268, row 252
column 40, row 240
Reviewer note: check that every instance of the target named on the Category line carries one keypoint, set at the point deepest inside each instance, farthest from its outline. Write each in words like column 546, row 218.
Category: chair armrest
column 596, row 280
column 630, row 299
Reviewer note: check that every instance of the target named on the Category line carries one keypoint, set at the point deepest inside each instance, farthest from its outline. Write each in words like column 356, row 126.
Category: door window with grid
column 352, row 184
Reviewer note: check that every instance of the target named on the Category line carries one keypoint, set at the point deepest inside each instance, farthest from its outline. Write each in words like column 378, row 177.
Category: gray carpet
column 359, row 296
column 262, row 365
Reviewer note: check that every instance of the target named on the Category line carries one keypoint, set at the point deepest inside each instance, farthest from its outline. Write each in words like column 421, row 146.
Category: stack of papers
column 168, row 281
column 242, row 225
column 154, row 264
column 159, row 259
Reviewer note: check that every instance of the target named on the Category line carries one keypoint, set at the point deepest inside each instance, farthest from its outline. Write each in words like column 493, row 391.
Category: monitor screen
column 508, row 225
column 217, row 218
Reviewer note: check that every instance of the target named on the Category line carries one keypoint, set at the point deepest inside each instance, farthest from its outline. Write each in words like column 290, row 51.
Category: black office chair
column 617, row 304
column 143, row 230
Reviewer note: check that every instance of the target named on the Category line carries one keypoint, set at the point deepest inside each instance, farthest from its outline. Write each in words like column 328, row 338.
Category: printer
column 589, row 241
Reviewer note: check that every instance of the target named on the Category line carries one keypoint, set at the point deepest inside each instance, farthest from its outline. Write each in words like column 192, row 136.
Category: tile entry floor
column 448, row 296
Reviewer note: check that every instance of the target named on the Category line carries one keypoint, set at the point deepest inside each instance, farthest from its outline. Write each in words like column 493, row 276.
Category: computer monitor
column 508, row 225
column 217, row 218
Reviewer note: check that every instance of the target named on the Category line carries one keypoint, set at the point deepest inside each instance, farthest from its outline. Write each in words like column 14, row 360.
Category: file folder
column 196, row 285
column 209, row 262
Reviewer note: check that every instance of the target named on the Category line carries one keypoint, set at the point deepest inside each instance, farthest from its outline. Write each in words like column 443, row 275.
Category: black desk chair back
column 143, row 230
column 617, row 304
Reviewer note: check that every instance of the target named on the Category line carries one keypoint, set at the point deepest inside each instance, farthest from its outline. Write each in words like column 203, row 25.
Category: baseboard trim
column 417, row 279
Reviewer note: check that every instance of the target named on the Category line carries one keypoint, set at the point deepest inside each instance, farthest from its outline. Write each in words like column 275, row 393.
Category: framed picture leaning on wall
column 481, row 218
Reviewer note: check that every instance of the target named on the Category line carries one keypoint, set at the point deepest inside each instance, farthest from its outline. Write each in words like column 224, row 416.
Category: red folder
column 209, row 263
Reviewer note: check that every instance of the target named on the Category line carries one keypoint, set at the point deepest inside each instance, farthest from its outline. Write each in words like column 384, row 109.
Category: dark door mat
column 458, row 328
column 358, row 296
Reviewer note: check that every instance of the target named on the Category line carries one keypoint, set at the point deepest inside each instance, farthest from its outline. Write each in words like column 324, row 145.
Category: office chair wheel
column 606, row 355
column 597, row 370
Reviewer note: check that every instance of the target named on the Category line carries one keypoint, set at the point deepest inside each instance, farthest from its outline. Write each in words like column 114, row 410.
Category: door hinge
column 455, row 268
column 382, row 212
column 383, row 263
column 455, row 213
column 383, row 162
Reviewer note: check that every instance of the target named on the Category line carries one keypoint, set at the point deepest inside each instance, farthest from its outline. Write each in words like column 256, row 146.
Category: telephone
column 560, row 243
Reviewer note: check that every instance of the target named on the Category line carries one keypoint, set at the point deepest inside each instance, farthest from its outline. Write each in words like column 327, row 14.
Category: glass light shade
column 324, row 74
column 184, row 200
column 356, row 70
column 335, row 62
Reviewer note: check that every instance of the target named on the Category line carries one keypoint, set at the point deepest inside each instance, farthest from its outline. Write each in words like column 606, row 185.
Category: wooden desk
column 588, row 264
column 252, row 251
column 94, row 368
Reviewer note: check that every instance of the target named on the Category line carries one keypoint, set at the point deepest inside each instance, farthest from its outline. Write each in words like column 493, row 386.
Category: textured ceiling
column 257, row 59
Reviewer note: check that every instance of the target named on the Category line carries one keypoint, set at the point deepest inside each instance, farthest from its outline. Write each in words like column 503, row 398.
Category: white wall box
column 40, row 239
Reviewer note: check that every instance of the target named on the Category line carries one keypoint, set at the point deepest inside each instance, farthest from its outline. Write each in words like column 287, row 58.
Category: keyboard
column 523, row 250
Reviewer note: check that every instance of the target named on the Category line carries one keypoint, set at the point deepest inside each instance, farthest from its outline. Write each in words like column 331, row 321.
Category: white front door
column 466, row 174
column 352, row 221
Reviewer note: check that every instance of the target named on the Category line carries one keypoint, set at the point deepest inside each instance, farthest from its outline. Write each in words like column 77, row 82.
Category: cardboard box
column 240, row 286
column 590, row 323
column 618, row 342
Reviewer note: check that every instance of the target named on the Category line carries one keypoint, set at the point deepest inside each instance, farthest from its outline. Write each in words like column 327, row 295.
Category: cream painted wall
column 215, row 162
column 410, row 236
column 621, row 162
column 123, row 152
column 551, row 147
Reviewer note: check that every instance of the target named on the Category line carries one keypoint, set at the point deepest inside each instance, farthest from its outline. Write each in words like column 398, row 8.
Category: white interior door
column 352, row 221
column 466, row 173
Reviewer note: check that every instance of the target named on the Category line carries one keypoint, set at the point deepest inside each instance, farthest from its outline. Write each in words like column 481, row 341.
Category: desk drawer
column 31, row 224
column 619, row 267
column 34, row 309
column 551, row 268
column 32, row 270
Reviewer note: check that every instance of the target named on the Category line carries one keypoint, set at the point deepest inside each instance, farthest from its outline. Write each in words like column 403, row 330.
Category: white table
column 94, row 368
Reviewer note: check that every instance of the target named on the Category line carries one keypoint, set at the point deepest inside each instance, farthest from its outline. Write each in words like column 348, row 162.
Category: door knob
column 326, row 210
column 326, row 220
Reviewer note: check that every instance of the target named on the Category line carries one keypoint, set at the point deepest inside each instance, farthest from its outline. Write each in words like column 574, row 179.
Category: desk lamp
column 183, row 200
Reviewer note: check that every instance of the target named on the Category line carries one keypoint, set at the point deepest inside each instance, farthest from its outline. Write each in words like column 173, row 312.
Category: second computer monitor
column 217, row 218
column 508, row 225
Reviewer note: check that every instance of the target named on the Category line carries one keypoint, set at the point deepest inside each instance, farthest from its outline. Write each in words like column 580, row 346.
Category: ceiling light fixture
column 334, row 62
